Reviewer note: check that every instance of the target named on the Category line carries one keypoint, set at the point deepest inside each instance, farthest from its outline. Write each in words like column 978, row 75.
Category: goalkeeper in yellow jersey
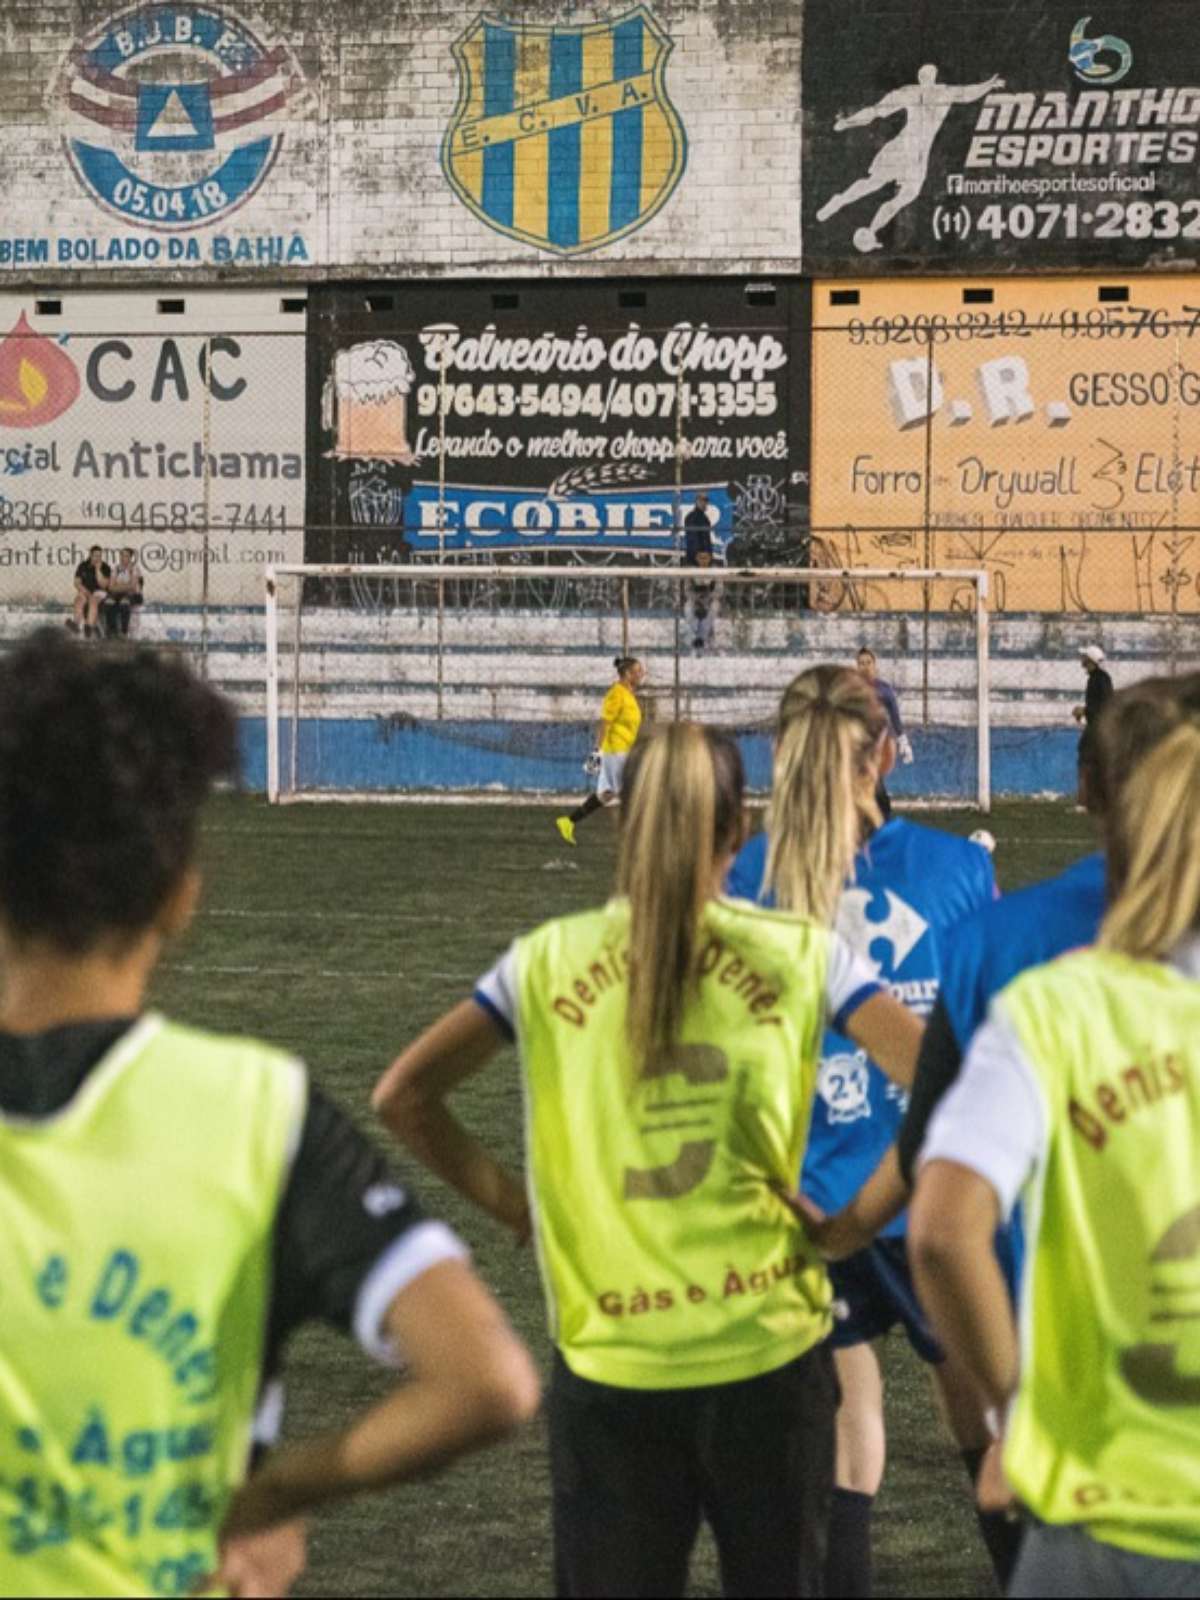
column 616, row 735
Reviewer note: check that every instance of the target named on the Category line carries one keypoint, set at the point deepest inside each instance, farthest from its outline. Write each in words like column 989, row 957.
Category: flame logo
column 38, row 380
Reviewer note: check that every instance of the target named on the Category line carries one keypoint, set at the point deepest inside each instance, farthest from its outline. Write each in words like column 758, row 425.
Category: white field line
column 193, row 969
column 282, row 914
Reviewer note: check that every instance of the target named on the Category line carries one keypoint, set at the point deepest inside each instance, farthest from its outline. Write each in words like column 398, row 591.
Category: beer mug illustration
column 365, row 403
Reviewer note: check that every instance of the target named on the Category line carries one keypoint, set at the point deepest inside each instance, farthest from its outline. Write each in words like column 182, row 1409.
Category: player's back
column 1023, row 929
column 911, row 885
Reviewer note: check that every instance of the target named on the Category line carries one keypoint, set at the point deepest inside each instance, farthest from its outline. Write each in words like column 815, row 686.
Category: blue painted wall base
column 384, row 754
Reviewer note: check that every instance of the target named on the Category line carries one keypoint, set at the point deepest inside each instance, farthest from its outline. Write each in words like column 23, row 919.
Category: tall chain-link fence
column 1055, row 452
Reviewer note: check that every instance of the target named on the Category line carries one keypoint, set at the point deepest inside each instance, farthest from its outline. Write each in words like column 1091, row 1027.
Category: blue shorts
column 872, row 1292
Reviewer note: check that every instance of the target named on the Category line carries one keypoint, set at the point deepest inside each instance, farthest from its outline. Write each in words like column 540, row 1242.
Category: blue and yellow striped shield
column 564, row 136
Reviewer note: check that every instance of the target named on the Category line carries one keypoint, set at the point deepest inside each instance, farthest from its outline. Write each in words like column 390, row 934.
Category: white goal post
column 460, row 681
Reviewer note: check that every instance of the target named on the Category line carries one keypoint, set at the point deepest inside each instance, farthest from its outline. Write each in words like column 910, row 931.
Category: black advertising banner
column 1044, row 134
column 555, row 416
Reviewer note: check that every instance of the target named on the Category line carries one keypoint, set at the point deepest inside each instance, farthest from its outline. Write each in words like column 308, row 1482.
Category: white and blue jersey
column 911, row 885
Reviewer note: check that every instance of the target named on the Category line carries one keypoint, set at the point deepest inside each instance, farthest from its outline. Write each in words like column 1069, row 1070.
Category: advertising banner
column 1047, row 435
column 947, row 137
column 573, row 417
column 119, row 427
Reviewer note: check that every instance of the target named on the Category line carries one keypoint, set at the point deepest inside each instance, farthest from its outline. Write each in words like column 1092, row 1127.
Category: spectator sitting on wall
column 125, row 591
column 697, row 532
column 91, row 589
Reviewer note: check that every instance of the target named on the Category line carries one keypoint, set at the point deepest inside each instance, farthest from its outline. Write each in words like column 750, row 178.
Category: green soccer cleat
column 566, row 827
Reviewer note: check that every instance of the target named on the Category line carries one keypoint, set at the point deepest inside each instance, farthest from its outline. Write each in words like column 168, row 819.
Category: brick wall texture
column 338, row 138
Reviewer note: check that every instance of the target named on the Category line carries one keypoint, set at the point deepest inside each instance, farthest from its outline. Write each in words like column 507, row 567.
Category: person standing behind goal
column 669, row 1046
column 616, row 735
column 173, row 1203
column 886, row 696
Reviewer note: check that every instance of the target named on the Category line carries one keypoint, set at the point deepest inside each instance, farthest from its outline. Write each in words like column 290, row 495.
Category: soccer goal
column 485, row 681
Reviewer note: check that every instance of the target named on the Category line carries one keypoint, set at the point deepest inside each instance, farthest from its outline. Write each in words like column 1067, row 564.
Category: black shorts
column 873, row 1291
column 634, row 1471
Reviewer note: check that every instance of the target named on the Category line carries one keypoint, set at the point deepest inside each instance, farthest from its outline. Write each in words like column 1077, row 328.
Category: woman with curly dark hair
column 173, row 1203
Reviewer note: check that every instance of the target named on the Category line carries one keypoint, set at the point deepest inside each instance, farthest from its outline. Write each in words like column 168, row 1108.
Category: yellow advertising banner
column 1046, row 430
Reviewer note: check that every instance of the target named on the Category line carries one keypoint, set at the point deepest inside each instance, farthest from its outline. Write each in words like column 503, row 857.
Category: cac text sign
column 187, row 446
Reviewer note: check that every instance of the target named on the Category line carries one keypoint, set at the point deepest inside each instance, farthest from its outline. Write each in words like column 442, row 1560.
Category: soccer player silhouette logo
column 904, row 160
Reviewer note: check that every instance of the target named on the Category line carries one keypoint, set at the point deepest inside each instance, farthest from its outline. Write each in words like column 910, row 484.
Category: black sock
column 848, row 1556
column 592, row 803
column 1001, row 1534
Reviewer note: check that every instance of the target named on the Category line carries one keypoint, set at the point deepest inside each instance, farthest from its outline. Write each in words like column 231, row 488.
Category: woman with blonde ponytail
column 894, row 890
column 830, row 741
column 1083, row 1087
column 668, row 1046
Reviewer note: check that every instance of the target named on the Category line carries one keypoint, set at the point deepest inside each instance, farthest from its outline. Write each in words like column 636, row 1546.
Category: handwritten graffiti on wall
column 1044, row 439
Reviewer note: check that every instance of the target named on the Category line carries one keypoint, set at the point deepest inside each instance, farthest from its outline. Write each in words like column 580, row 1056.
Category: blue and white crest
column 173, row 115
column 844, row 1084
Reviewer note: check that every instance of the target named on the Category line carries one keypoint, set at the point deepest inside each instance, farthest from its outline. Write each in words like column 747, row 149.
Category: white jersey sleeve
column 992, row 1119
column 850, row 980
column 496, row 992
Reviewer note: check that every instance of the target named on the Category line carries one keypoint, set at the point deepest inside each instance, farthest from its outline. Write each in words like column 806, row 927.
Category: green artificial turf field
column 340, row 931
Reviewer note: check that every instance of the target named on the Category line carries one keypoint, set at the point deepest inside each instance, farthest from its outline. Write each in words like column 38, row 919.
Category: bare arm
column 951, row 1227
column 890, row 1034
column 410, row 1099
column 846, row 1232
column 263, row 1564
column 470, row 1382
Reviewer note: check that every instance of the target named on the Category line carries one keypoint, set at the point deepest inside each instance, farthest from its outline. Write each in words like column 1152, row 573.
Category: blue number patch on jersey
column 911, row 885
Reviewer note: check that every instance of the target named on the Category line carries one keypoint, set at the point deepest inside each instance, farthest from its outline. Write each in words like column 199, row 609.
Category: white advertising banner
column 172, row 427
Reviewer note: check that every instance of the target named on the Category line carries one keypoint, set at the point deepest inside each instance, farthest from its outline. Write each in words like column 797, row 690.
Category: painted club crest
column 172, row 115
column 564, row 136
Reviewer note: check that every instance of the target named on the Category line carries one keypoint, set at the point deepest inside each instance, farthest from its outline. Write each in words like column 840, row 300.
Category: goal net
column 456, row 681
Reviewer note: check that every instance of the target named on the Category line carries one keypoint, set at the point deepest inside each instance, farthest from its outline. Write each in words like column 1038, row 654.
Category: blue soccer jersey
column 988, row 950
column 911, row 885
column 1023, row 929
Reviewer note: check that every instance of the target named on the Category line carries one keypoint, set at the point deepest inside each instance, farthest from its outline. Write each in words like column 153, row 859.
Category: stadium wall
column 519, row 693
column 205, row 213
column 971, row 137
column 186, row 142
column 183, row 142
